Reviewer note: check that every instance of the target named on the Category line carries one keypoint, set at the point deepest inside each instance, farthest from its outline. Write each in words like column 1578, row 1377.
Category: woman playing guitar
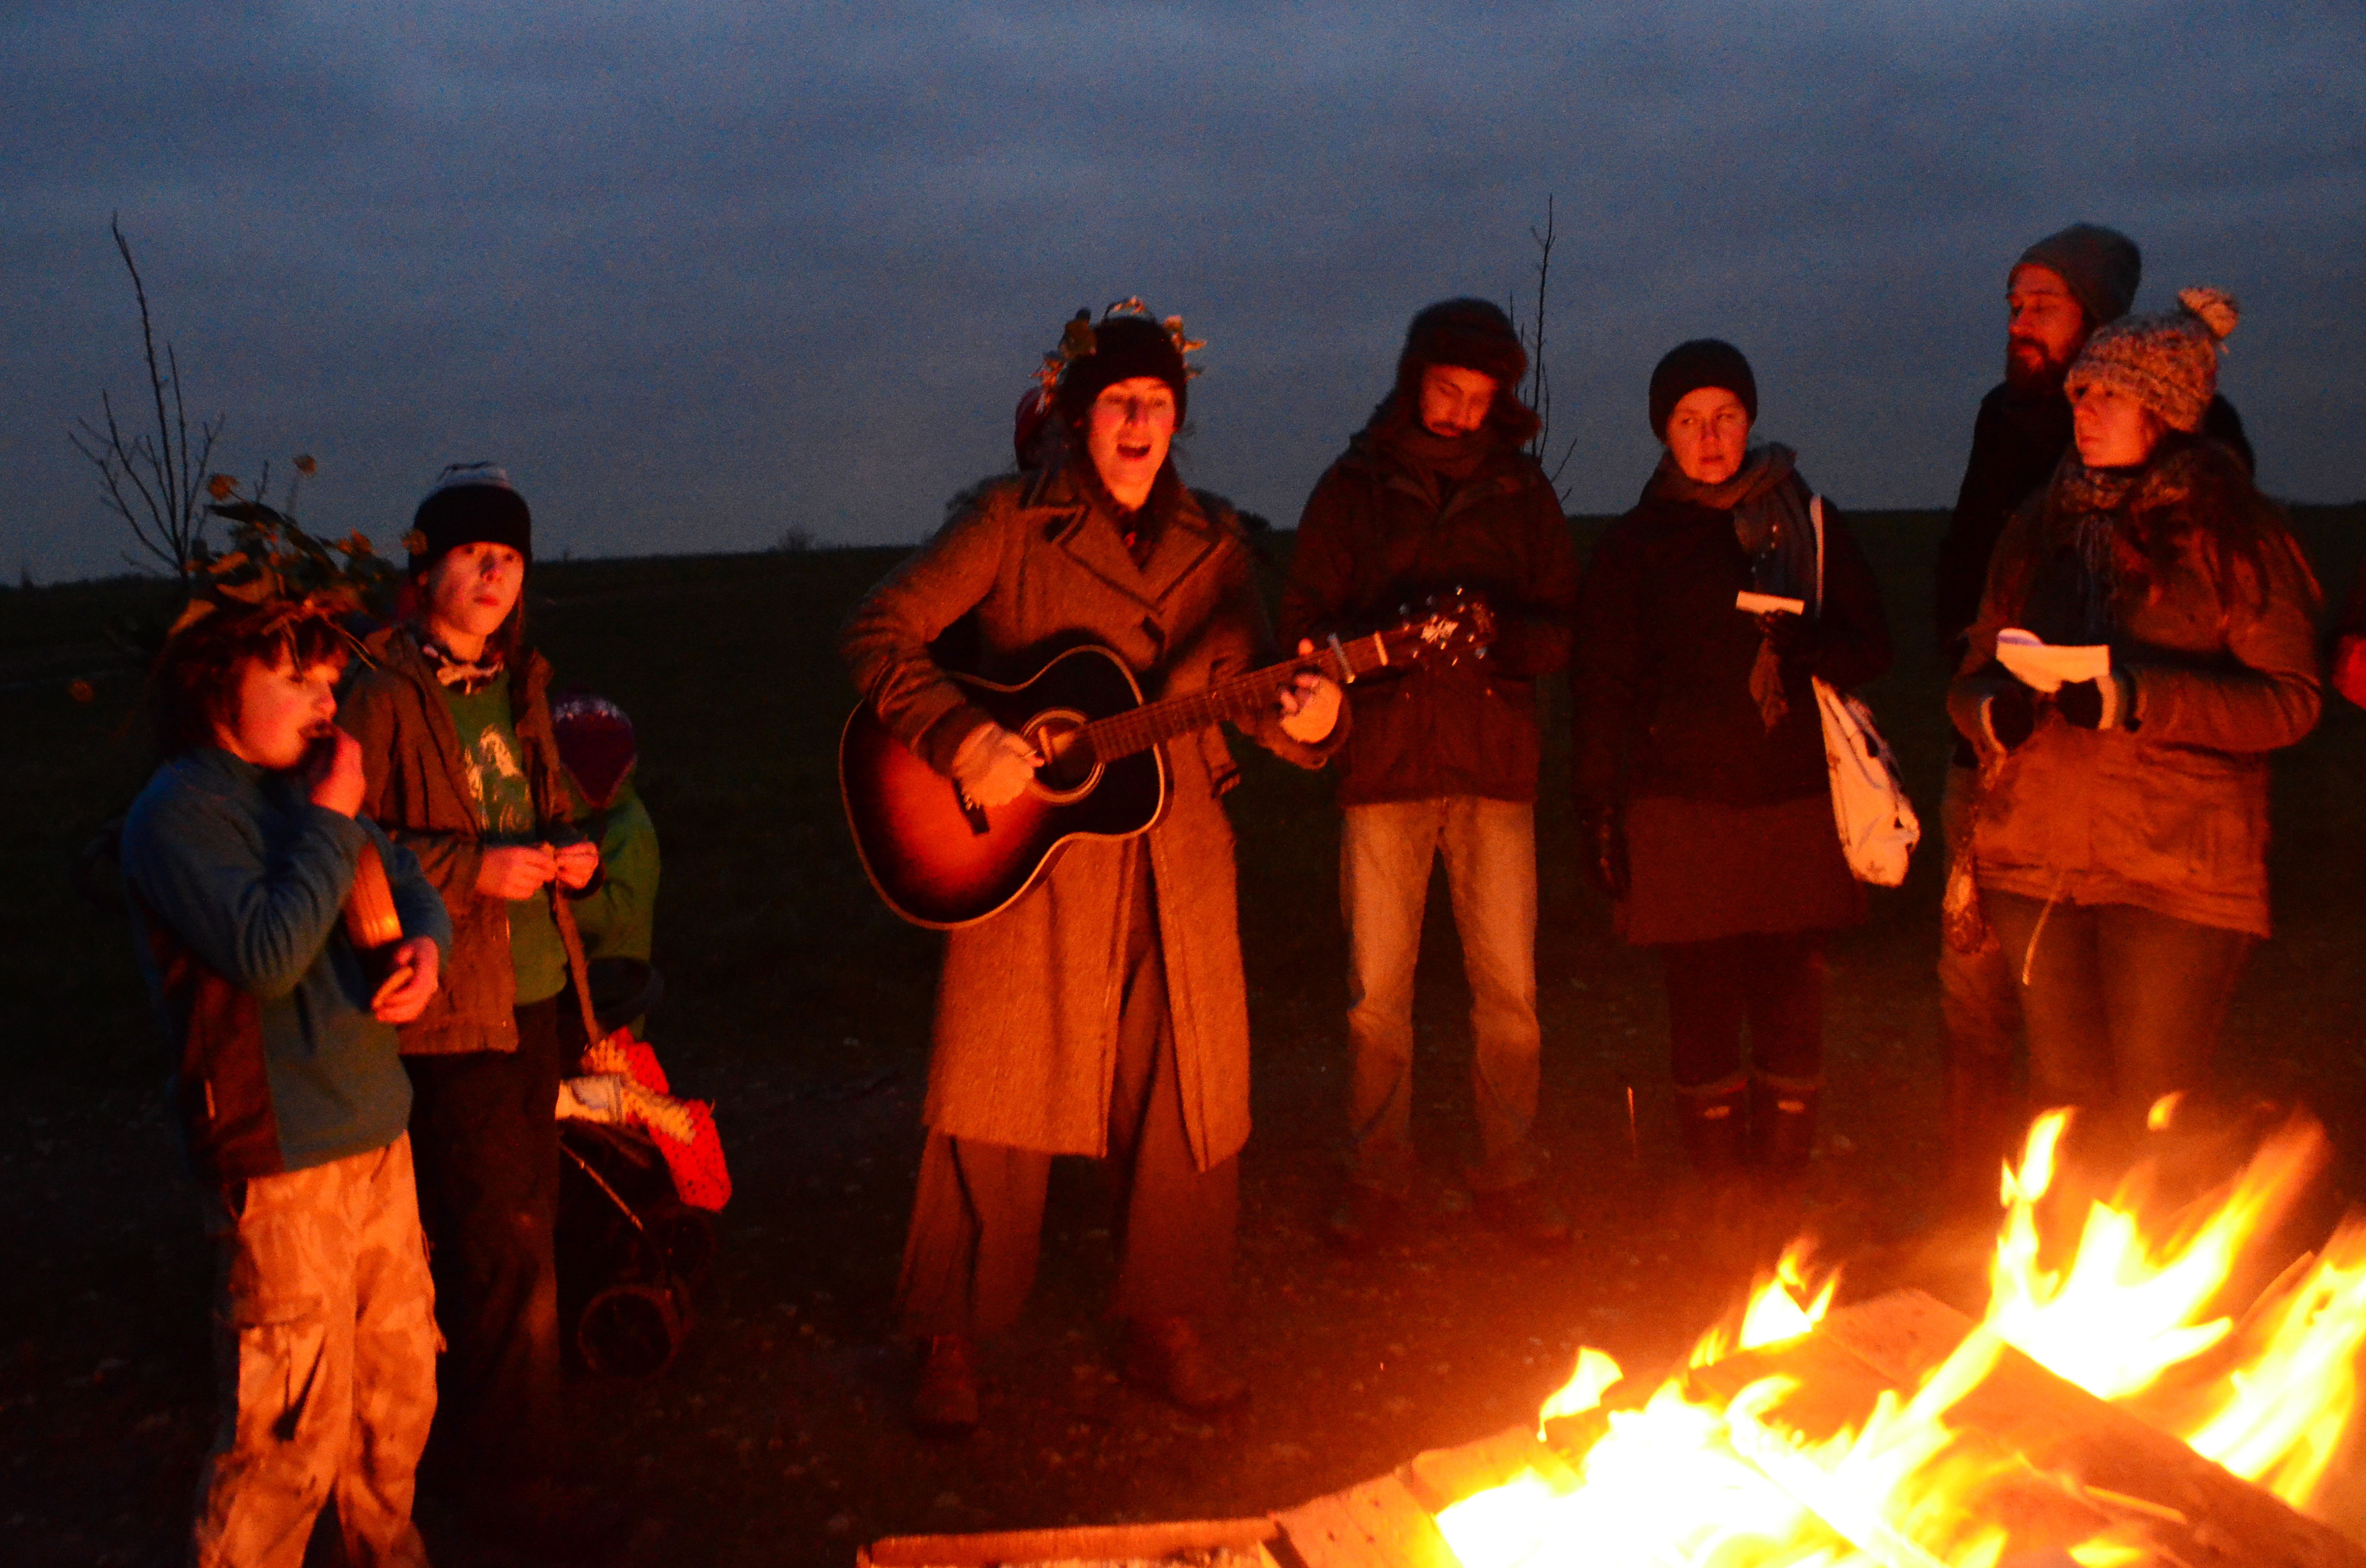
column 1102, row 1013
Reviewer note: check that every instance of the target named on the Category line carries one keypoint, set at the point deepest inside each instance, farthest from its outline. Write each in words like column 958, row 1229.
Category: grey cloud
column 702, row 274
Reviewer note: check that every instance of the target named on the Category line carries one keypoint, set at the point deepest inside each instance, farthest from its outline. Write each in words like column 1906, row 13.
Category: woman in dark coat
column 2121, row 844
column 1700, row 765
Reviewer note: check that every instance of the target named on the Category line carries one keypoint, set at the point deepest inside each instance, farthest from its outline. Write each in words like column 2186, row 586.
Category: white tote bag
column 1877, row 826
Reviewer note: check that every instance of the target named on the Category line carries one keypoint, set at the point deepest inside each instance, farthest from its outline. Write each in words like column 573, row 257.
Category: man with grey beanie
column 2058, row 292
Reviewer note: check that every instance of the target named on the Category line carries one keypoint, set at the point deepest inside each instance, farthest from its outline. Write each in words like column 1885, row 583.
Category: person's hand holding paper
column 2047, row 668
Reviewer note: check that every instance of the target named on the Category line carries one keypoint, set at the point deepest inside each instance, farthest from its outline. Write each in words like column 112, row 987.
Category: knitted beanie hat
column 469, row 503
column 1470, row 334
column 595, row 745
column 2102, row 267
column 2169, row 363
column 1122, row 348
column 1689, row 367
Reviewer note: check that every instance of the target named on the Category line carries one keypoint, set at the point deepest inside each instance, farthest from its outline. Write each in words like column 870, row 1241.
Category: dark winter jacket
column 1379, row 533
column 2215, row 632
column 237, row 884
column 1660, row 681
column 418, row 790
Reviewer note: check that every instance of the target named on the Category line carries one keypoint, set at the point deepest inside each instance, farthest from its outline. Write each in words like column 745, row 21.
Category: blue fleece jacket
column 252, row 878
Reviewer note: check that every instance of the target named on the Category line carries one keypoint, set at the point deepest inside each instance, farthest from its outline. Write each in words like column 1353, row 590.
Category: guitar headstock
column 1447, row 627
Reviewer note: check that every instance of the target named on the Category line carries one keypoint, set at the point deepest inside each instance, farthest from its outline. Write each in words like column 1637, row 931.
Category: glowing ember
column 2134, row 1315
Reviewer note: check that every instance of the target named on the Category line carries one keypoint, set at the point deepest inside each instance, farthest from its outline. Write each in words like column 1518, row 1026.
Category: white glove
column 993, row 766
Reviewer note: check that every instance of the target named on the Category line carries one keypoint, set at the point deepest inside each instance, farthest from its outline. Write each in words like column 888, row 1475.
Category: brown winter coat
column 2218, row 635
column 417, row 789
column 1027, row 1006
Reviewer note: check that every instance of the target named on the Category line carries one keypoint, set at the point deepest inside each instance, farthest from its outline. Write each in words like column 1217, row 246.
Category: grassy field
column 801, row 1008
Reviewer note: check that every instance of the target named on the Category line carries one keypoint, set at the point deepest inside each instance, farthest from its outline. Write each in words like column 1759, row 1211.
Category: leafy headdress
column 274, row 575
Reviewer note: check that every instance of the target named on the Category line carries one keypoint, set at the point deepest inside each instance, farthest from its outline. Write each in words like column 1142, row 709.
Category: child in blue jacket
column 239, row 857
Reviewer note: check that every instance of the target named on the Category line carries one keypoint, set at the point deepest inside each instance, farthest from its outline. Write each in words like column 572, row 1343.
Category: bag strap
column 578, row 970
column 1816, row 516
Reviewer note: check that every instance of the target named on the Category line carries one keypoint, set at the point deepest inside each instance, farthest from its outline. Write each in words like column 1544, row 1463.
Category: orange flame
column 2135, row 1315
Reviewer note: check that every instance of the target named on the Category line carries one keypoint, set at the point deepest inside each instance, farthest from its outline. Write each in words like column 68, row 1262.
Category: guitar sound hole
column 1069, row 770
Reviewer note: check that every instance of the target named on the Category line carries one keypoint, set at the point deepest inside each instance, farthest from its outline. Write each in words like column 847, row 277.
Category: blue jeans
column 2123, row 1005
column 1385, row 854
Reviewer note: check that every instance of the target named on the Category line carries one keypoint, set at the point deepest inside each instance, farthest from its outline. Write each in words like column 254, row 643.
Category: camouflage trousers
column 325, row 1346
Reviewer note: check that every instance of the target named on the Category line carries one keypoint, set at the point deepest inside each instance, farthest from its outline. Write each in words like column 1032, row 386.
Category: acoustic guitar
column 943, row 860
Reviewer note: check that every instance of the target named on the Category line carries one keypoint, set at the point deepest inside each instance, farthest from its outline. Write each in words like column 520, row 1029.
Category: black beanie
column 1124, row 347
column 2101, row 266
column 1472, row 334
column 1689, row 367
column 470, row 503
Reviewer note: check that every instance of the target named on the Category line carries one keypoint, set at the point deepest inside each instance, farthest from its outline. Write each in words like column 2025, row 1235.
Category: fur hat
column 2169, row 363
column 2101, row 266
column 1472, row 334
column 469, row 503
column 1689, row 367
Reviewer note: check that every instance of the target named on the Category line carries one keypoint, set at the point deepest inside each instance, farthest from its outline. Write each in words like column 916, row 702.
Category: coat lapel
column 1094, row 544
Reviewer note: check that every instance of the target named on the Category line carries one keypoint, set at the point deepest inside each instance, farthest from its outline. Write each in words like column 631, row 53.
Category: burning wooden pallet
column 2036, row 1458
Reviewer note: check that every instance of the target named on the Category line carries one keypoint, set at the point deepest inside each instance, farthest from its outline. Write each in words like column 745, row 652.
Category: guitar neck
column 1240, row 699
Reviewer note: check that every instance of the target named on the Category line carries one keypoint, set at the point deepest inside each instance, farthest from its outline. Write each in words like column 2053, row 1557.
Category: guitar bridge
column 971, row 812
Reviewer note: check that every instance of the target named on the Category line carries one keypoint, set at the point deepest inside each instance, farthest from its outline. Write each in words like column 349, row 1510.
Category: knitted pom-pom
column 2213, row 308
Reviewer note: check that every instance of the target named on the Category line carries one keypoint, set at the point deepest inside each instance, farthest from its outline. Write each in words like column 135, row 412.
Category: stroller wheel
column 631, row 1330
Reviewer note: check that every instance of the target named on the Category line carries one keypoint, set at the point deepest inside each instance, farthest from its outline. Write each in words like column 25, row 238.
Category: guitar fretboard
column 1241, row 699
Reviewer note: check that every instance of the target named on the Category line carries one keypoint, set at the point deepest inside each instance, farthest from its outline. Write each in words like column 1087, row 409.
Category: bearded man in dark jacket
column 1435, row 492
column 2061, row 290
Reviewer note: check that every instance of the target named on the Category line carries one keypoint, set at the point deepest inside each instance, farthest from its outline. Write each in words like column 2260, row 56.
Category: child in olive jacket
column 457, row 744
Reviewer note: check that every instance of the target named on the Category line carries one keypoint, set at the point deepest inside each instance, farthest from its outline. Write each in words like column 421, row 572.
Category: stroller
column 640, row 1173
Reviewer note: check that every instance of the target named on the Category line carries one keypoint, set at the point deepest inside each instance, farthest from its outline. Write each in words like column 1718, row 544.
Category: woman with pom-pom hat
column 2121, row 846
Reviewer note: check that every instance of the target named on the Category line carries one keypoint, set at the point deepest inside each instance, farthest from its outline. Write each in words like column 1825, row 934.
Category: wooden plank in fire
column 1380, row 1524
column 1075, row 1543
column 2063, row 1465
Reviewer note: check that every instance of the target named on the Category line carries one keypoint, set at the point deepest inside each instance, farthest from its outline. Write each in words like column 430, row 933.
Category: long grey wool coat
column 1027, row 1006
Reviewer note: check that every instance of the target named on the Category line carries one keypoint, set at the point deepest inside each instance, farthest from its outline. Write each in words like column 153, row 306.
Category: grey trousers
column 978, row 1218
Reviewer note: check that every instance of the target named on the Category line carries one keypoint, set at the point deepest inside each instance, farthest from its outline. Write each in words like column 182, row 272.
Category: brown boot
column 945, row 1404
column 1782, row 1122
column 1713, row 1124
column 1165, row 1356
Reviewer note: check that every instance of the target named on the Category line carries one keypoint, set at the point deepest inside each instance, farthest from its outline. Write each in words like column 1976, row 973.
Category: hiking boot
column 1526, row 1214
column 1166, row 1356
column 945, row 1403
column 1365, row 1218
column 1782, row 1123
column 550, row 1520
column 1711, row 1122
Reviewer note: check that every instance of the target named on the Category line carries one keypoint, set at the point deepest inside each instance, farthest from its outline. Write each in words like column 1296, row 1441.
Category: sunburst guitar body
column 941, row 860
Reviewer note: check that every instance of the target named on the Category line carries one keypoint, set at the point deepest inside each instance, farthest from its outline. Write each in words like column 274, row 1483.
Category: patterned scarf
column 2089, row 505
column 453, row 671
column 1769, row 504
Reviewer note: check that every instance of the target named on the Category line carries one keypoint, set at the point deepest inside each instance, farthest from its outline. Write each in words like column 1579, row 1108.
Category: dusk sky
column 698, row 274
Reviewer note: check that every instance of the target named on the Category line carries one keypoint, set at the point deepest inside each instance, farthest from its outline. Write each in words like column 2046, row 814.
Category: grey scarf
column 1769, row 501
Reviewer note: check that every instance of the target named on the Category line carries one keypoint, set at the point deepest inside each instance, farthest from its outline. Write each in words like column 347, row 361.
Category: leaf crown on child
column 277, row 593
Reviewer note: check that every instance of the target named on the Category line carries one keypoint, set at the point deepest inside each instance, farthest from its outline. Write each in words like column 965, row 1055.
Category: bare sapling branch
column 152, row 481
column 1539, row 390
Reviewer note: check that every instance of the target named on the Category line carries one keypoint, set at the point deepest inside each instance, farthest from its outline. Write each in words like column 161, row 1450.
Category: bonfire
column 2137, row 1392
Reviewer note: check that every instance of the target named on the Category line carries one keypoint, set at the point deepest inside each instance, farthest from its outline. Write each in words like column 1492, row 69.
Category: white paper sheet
column 2048, row 666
